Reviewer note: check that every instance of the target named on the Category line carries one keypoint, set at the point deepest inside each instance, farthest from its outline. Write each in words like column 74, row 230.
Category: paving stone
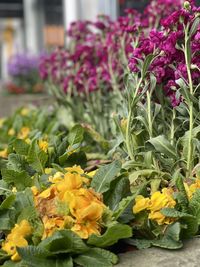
column 188, row 256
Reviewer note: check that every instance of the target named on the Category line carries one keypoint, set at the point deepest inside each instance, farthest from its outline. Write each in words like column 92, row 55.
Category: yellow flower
column 28, row 141
column 58, row 177
column 48, row 170
column 24, row 132
column 2, row 120
column 76, row 169
column 71, row 150
column 155, row 204
column 4, row 153
column 92, row 173
column 25, row 111
column 34, row 190
column 51, row 224
column 14, row 189
column 141, row 203
column 17, row 239
column 11, row 132
column 161, row 200
column 160, row 218
column 84, row 205
column 43, row 145
column 84, row 230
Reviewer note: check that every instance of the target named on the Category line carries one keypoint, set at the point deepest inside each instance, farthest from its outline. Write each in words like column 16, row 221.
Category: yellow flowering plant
column 65, row 204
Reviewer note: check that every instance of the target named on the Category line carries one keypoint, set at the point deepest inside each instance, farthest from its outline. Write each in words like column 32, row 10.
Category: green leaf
column 126, row 202
column 77, row 158
column 170, row 212
column 35, row 256
column 20, row 180
column 167, row 243
column 111, row 236
column 37, row 158
column 7, row 203
column 96, row 257
column 16, row 162
column 64, row 241
column 139, row 243
column 23, row 200
column 119, row 189
column 76, row 135
column 7, row 219
column 194, row 26
column 147, row 63
column 105, row 175
column 162, row 145
column 21, row 147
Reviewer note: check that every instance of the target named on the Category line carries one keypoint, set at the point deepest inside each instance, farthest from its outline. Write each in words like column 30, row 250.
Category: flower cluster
column 23, row 71
column 155, row 204
column 22, row 64
column 69, row 204
column 98, row 52
column 167, row 45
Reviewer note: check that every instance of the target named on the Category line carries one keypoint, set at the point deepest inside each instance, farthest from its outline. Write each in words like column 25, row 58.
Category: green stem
column 149, row 115
column 187, row 52
column 128, row 127
column 172, row 129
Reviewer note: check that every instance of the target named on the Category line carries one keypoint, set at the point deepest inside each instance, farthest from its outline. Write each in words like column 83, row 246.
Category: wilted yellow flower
column 16, row 238
column 4, row 153
column 141, row 203
column 51, row 224
column 43, row 145
column 23, row 133
column 11, row 132
column 25, row 111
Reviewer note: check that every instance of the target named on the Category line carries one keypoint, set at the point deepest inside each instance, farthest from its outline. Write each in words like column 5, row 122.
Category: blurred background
column 34, row 26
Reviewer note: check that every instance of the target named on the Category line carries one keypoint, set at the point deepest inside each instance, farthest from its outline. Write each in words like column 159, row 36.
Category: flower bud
column 193, row 67
column 187, row 5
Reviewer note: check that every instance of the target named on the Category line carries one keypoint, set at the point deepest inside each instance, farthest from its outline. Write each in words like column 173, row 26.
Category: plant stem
column 172, row 129
column 149, row 114
column 187, row 52
column 128, row 127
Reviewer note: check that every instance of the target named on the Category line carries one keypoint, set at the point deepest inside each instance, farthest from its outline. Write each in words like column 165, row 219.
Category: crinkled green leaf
column 37, row 158
column 37, row 257
column 64, row 241
column 20, row 180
